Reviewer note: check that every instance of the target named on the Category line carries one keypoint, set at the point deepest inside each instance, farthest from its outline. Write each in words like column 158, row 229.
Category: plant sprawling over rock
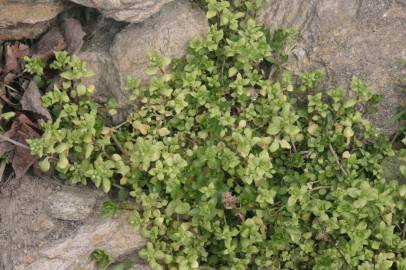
column 235, row 165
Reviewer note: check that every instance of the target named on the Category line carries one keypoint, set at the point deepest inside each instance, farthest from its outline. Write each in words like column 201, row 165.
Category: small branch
column 120, row 125
column 337, row 159
column 293, row 144
column 118, row 144
column 118, row 186
column 222, row 72
column 5, row 138
column 320, row 187
column 343, row 256
column 404, row 231
column 395, row 136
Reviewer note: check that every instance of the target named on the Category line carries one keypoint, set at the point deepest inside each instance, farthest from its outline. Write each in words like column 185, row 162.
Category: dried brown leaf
column 11, row 133
column 74, row 35
column 31, row 101
column 22, row 159
column 14, row 53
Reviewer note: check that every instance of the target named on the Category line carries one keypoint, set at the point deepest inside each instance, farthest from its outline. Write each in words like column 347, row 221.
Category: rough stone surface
column 27, row 19
column 169, row 32
column 32, row 239
column 97, row 56
column 140, row 267
column 115, row 236
column 70, row 204
column 126, row 10
column 346, row 38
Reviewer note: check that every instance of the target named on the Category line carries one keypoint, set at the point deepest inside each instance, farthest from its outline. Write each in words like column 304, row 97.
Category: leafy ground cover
column 236, row 163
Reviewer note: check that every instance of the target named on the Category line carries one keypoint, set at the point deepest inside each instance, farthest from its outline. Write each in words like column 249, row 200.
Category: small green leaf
column 232, row 72
column 106, row 185
column 7, row 115
column 211, row 14
column 182, row 208
column 350, row 103
column 44, row 165
column 348, row 132
column 285, row 144
column 102, row 258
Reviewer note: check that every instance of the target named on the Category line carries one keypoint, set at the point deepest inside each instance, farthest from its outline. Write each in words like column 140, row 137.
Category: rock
column 42, row 223
column 126, row 10
column 391, row 169
column 71, row 204
column 115, row 236
column 25, row 224
column 169, row 32
column 97, row 57
column 31, row 239
column 140, row 267
column 346, row 38
column 27, row 19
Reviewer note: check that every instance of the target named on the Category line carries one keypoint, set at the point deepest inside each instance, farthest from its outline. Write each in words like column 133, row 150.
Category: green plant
column 401, row 117
column 104, row 260
column 35, row 66
column 233, row 169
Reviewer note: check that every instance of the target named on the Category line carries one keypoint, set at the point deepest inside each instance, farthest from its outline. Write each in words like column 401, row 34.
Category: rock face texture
column 116, row 236
column 45, row 225
column 26, row 19
column 71, row 205
column 97, row 56
column 349, row 37
column 168, row 32
column 126, row 10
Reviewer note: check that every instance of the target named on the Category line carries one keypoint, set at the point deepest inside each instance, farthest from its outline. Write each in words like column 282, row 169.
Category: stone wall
column 48, row 226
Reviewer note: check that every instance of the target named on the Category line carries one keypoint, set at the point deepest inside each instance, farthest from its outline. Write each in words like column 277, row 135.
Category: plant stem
column 337, row 159
column 5, row 138
column 118, row 144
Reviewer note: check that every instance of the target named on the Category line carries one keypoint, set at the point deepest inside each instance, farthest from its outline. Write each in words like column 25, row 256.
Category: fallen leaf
column 2, row 168
column 52, row 41
column 11, row 133
column 9, row 78
column 74, row 35
column 15, row 52
column 24, row 120
column 31, row 101
column 22, row 159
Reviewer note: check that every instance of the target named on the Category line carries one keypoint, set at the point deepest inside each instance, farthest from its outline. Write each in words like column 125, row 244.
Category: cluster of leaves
column 104, row 260
column 233, row 169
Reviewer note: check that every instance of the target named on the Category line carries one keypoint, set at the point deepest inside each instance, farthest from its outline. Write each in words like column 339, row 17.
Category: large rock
column 126, row 10
column 346, row 38
column 115, row 236
column 36, row 235
column 26, row 19
column 97, row 57
column 169, row 32
column 71, row 204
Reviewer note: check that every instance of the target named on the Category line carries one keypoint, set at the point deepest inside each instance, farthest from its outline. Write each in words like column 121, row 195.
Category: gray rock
column 126, row 10
column 169, row 32
column 27, row 19
column 391, row 169
column 71, row 204
column 346, row 38
column 115, row 236
column 42, row 223
column 97, row 57
column 140, row 267
column 32, row 240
